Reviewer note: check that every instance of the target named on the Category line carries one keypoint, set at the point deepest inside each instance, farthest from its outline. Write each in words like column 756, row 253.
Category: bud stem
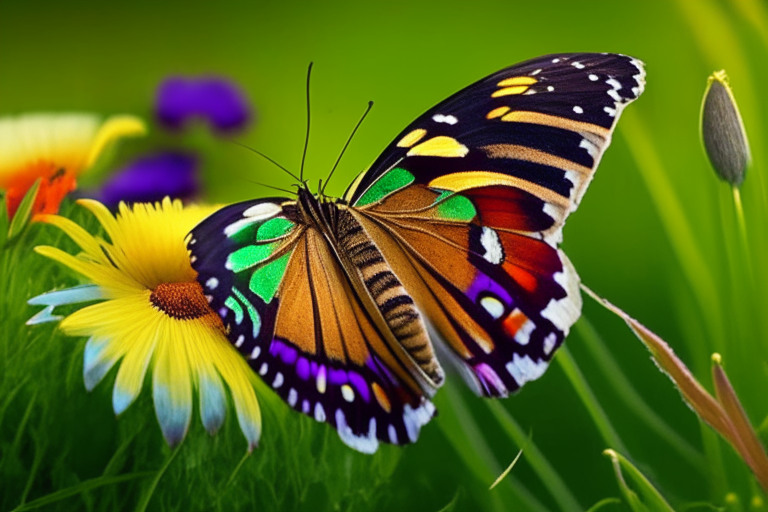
column 742, row 228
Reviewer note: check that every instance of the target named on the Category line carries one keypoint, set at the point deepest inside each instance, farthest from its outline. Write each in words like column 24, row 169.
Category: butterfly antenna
column 306, row 139
column 367, row 110
column 273, row 187
column 264, row 156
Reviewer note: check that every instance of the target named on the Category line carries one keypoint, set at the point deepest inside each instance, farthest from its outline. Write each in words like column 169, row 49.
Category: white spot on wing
column 613, row 92
column 564, row 312
column 639, row 77
column 256, row 352
column 414, row 419
column 319, row 412
column 523, row 334
column 347, row 392
column 610, row 111
column 493, row 306
column 550, row 88
column 593, row 77
column 440, row 118
column 555, row 61
column 494, row 251
column 536, row 72
column 392, row 431
column 212, row 283
column 263, row 370
column 549, row 343
column 524, row 369
column 365, row 443
column 591, row 148
column 279, row 379
column 254, row 214
column 577, row 65
column 293, row 397
column 239, row 341
column 262, row 211
column 578, row 109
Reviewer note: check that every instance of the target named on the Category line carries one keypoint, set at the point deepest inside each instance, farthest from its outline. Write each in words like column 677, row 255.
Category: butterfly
column 447, row 245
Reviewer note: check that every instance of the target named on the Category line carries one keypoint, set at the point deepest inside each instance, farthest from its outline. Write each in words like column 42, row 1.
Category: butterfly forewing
column 540, row 126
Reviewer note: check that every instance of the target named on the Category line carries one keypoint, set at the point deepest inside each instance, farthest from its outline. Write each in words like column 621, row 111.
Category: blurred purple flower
column 152, row 177
column 215, row 99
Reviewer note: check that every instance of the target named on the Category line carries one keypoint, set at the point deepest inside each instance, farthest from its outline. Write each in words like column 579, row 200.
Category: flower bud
column 722, row 131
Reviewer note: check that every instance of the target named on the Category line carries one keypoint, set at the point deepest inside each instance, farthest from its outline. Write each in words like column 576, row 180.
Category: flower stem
column 742, row 230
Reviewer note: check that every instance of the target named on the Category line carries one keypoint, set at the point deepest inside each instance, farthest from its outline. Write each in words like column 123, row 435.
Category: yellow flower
column 55, row 148
column 154, row 314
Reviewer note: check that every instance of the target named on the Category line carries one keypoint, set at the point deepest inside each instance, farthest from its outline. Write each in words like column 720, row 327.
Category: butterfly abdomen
column 392, row 300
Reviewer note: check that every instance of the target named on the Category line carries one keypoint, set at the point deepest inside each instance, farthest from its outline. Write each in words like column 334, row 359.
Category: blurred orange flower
column 56, row 148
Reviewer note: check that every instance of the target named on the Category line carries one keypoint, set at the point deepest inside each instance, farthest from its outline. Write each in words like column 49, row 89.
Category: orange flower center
column 182, row 301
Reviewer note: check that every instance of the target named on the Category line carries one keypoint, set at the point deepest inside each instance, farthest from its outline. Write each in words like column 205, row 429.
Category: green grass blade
column 755, row 13
column 144, row 501
column 469, row 443
column 88, row 485
column 118, row 458
column 651, row 500
column 547, row 474
column 632, row 399
column 451, row 504
column 4, row 222
column 588, row 398
column 679, row 232
column 602, row 503
column 506, row 471
column 24, row 211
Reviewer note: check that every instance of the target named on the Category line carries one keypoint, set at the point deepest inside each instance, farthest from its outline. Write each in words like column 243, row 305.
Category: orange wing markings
column 459, row 181
column 514, row 321
column 296, row 296
column 329, row 307
column 430, row 295
column 517, row 152
column 326, row 283
column 525, row 256
column 524, row 116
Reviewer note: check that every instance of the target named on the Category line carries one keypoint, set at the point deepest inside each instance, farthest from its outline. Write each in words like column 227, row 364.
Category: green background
column 655, row 234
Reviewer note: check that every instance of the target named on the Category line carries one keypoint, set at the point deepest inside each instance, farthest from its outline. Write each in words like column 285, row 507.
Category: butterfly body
column 448, row 245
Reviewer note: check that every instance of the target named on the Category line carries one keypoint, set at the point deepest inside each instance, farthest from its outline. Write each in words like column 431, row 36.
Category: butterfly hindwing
column 289, row 308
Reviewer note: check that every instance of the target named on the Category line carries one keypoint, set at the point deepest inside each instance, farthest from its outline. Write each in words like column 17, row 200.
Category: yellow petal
column 81, row 237
column 134, row 366
column 102, row 214
column 171, row 383
column 114, row 319
column 111, row 280
column 236, row 372
column 112, row 129
column 213, row 398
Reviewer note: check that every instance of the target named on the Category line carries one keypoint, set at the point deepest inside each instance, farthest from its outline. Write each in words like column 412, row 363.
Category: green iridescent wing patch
column 454, row 207
column 389, row 183
column 247, row 247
